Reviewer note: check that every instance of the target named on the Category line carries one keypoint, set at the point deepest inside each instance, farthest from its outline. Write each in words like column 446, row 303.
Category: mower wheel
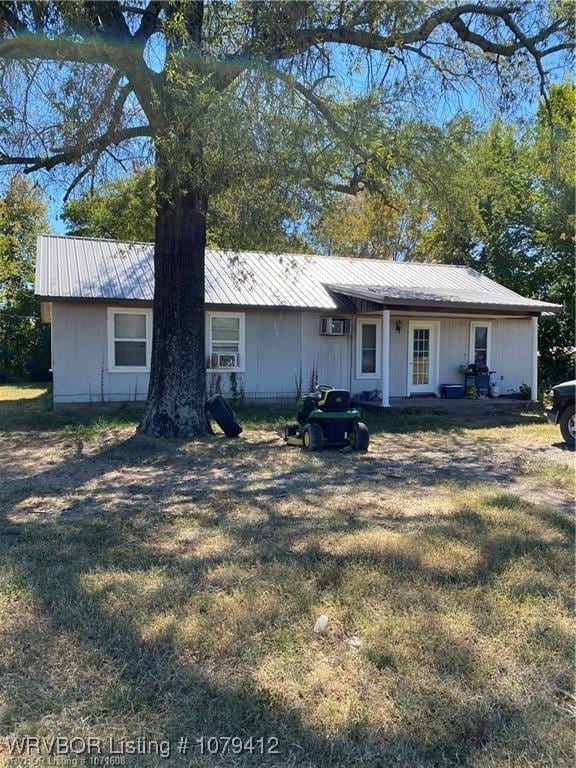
column 313, row 438
column 359, row 437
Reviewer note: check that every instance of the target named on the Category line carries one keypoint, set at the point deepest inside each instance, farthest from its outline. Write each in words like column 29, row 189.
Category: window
column 129, row 339
column 480, row 342
column 368, row 346
column 226, row 341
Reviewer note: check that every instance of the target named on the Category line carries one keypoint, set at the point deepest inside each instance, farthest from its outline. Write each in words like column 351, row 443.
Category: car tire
column 224, row 416
column 567, row 426
column 313, row 437
column 360, row 437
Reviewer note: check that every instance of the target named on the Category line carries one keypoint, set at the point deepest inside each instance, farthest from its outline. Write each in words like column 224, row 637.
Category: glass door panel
column 421, row 356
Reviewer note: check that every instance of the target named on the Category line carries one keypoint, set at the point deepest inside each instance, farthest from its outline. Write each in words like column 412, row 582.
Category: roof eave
column 210, row 305
column 400, row 304
column 440, row 305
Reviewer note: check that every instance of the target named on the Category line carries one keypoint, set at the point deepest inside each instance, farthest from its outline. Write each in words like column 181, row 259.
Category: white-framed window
column 368, row 348
column 226, row 341
column 480, row 342
column 129, row 340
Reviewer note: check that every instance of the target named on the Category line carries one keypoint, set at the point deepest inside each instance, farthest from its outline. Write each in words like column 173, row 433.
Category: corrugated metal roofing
column 414, row 297
column 92, row 269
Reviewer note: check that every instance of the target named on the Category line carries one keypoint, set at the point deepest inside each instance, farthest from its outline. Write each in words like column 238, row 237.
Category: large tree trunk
column 177, row 390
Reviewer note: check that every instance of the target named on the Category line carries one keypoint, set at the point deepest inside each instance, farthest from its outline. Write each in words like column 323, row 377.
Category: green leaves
column 119, row 210
column 24, row 342
column 258, row 214
column 22, row 219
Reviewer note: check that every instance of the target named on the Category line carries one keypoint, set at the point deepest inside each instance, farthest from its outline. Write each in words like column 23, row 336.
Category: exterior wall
column 80, row 358
column 398, row 356
column 284, row 350
column 328, row 358
column 512, row 353
column 273, row 350
column 365, row 384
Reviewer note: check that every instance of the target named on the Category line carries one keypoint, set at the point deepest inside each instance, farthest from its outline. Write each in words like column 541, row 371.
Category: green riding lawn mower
column 325, row 419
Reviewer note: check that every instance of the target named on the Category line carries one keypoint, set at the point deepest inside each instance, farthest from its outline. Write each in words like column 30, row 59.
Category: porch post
column 534, row 382
column 385, row 357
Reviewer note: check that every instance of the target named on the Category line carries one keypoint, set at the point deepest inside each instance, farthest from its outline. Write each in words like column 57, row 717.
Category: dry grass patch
column 168, row 588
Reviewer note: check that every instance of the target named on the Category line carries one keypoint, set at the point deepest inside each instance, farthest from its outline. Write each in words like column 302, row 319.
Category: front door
column 423, row 356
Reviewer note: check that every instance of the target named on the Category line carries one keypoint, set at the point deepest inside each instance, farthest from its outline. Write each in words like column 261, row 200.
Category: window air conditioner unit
column 334, row 326
column 227, row 360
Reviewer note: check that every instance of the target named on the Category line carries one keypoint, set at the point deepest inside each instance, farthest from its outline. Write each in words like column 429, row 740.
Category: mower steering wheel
column 323, row 388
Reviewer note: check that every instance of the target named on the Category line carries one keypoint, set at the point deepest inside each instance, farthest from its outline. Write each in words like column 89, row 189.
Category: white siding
column 511, row 354
column 398, row 356
column 330, row 357
column 454, row 349
column 510, row 357
column 272, row 353
column 366, row 384
column 279, row 345
column 80, row 358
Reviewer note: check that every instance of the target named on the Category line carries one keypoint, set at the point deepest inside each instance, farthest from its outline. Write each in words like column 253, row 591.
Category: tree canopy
column 500, row 200
column 260, row 215
column 24, row 341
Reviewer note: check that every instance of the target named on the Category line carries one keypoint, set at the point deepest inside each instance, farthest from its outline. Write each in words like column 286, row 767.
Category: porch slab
column 460, row 405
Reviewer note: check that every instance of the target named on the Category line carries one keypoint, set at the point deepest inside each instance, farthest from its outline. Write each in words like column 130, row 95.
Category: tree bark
column 177, row 389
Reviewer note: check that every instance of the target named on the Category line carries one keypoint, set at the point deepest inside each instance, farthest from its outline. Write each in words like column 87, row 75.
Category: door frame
column 434, row 368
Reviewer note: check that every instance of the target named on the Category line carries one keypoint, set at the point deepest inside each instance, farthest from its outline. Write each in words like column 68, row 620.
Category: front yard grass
column 167, row 589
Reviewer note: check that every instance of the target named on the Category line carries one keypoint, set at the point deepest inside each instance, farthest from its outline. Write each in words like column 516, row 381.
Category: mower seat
column 335, row 400
column 310, row 404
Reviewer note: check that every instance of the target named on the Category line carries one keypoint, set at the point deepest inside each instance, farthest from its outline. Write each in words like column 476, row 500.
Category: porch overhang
column 378, row 298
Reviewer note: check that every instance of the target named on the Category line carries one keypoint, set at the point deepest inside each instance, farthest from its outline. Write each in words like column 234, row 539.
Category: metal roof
column 92, row 269
column 499, row 298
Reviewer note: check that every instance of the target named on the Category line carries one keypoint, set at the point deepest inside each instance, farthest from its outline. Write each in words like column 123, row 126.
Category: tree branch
column 451, row 16
column 108, row 19
column 323, row 109
column 78, row 178
column 490, row 46
column 28, row 46
column 150, row 20
column 9, row 22
column 534, row 52
column 69, row 155
column 93, row 49
column 107, row 99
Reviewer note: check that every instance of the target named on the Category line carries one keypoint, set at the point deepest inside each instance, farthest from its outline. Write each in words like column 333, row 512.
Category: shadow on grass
column 237, row 468
column 116, row 528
